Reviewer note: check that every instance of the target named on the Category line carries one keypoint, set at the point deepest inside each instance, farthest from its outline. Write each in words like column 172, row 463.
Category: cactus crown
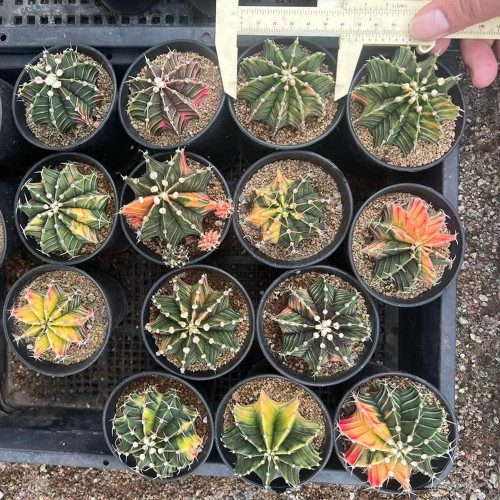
column 168, row 95
column 285, row 86
column 65, row 210
column 405, row 244
column 393, row 434
column 53, row 319
column 158, row 431
column 273, row 440
column 196, row 323
column 62, row 91
column 288, row 211
column 171, row 203
column 404, row 100
column 320, row 324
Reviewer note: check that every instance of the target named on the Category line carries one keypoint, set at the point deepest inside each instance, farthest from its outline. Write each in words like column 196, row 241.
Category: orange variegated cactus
column 171, row 204
column 288, row 211
column 158, row 431
column 394, row 434
column 66, row 210
column 53, row 319
column 406, row 242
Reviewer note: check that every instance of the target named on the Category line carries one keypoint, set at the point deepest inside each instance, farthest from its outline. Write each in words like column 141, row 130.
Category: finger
column 443, row 17
column 478, row 55
column 441, row 46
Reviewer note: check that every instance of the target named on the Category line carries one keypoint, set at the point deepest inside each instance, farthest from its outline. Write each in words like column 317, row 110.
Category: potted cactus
column 285, row 97
column 293, row 209
column 317, row 325
column 65, row 209
column 198, row 322
column 272, row 432
column 128, row 6
column 395, row 432
column 406, row 244
column 65, row 99
column 172, row 96
column 58, row 319
column 159, row 426
column 175, row 208
column 405, row 114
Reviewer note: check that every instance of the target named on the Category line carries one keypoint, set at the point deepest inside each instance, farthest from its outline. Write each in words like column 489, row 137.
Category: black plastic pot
column 113, row 242
column 95, row 144
column 206, row 7
column 355, row 144
column 346, row 197
column 11, row 243
column 457, row 249
column 253, row 147
column 308, row 379
column 109, row 413
column 128, row 195
column 229, row 458
column 162, row 360
column 15, row 153
column 128, row 6
column 115, row 299
column 211, row 142
column 418, row 481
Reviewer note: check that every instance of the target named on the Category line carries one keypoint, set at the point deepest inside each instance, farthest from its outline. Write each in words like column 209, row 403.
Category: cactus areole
column 404, row 101
column 272, row 440
column 66, row 210
column 171, row 204
column 158, row 431
column 394, row 433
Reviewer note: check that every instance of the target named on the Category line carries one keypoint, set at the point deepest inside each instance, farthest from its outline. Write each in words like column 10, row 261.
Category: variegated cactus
column 285, row 87
column 62, row 91
column 53, row 320
column 272, row 440
column 65, row 211
column 288, row 211
column 406, row 242
column 168, row 95
column 171, row 204
column 196, row 323
column 393, row 434
column 158, row 431
column 404, row 100
column 321, row 323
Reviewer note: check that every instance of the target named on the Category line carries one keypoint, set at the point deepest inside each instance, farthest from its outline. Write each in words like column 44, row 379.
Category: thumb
column 444, row 17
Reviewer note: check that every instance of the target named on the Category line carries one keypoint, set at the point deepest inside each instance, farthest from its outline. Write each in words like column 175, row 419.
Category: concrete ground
column 475, row 476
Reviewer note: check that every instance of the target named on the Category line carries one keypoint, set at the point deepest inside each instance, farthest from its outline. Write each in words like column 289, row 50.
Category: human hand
column 444, row 17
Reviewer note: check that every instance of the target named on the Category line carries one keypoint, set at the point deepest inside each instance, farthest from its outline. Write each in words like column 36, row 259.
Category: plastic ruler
column 356, row 22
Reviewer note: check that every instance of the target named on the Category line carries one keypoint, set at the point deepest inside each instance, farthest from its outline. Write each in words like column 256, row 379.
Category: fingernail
column 430, row 25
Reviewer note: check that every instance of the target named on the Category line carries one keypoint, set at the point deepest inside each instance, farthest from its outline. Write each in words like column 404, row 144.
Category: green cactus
column 285, row 86
column 196, row 323
column 62, row 91
column 168, row 95
column 272, row 440
column 171, row 204
column 406, row 243
column 53, row 320
column 405, row 101
column 288, row 211
column 394, row 434
column 321, row 323
column 158, row 431
column 65, row 210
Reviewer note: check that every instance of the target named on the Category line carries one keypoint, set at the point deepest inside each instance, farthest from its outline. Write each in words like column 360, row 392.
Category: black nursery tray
column 58, row 420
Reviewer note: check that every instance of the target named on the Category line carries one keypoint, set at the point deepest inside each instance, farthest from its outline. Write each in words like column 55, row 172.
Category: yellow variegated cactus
column 272, row 440
column 53, row 319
